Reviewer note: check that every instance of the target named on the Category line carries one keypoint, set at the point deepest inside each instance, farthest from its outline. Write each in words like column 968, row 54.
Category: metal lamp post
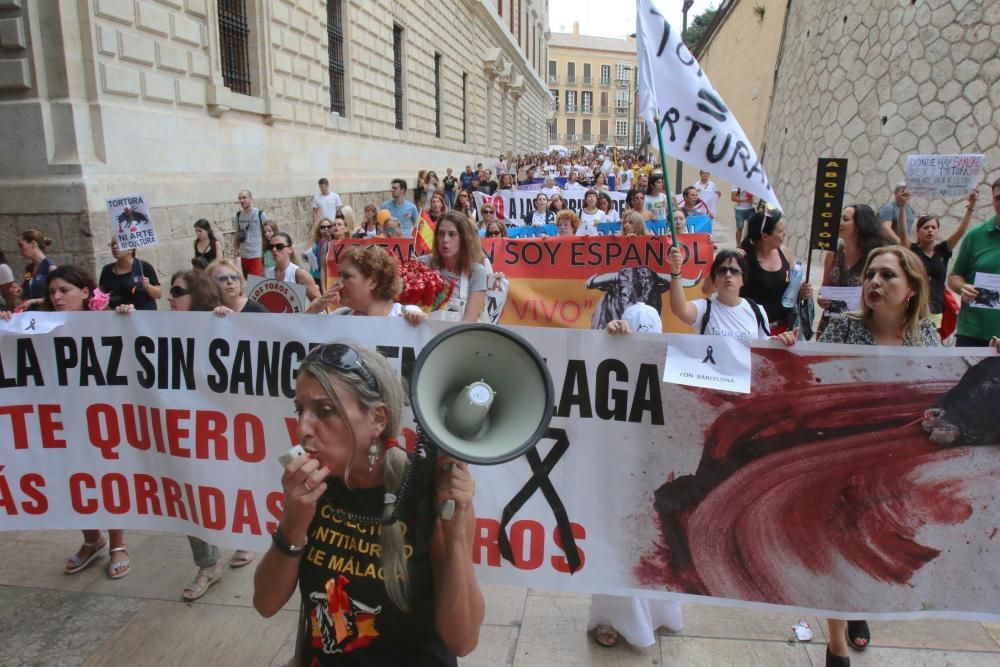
column 680, row 165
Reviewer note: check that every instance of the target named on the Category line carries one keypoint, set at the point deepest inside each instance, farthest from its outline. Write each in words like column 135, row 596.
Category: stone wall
column 875, row 81
column 77, row 243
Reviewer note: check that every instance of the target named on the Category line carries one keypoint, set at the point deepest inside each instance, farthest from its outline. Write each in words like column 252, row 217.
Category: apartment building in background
column 593, row 82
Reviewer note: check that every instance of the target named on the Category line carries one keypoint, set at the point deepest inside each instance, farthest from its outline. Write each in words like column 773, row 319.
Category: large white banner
column 698, row 127
column 851, row 479
column 514, row 205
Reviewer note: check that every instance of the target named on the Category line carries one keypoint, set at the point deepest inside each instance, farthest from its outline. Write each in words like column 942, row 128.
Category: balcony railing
column 570, row 138
column 621, row 111
column 586, row 80
column 586, row 108
column 553, row 78
column 623, row 83
column 570, row 108
column 555, row 106
column 571, row 78
column 605, row 83
column 605, row 110
column 621, row 139
column 585, row 138
column 603, row 139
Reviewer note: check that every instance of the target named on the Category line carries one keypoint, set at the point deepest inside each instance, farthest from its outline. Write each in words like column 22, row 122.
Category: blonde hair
column 636, row 219
column 224, row 262
column 350, row 219
column 917, row 308
column 395, row 460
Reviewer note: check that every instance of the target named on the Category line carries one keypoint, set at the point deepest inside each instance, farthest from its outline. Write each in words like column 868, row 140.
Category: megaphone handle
column 446, row 510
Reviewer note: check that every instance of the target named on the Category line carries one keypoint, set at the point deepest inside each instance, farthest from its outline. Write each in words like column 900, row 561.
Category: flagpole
column 666, row 180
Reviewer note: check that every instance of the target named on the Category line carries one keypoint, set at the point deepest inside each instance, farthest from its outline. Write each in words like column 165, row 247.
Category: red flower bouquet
column 424, row 287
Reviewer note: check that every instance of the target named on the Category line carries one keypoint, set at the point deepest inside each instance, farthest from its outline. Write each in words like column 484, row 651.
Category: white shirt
column 701, row 187
column 327, row 205
column 573, row 185
column 548, row 192
column 590, row 221
column 736, row 321
column 742, row 205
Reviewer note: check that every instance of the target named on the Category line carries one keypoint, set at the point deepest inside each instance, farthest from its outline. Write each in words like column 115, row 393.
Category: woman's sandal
column 858, row 635
column 240, row 558
column 77, row 563
column 833, row 660
column 205, row 579
column 119, row 568
column 606, row 636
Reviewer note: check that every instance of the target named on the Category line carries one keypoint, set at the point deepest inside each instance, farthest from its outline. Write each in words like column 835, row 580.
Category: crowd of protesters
column 896, row 258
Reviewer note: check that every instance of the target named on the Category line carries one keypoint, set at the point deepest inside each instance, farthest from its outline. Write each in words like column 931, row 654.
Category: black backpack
column 753, row 305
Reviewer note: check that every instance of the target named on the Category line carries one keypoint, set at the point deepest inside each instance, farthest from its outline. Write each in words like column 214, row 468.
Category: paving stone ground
column 48, row 618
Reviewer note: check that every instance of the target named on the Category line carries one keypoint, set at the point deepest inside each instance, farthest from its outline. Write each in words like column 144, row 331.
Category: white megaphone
column 481, row 393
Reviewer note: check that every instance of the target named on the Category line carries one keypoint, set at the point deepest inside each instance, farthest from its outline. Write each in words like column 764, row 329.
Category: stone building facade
column 874, row 81
column 103, row 98
column 593, row 85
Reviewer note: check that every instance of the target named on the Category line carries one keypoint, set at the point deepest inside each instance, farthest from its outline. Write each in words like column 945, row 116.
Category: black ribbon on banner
column 540, row 470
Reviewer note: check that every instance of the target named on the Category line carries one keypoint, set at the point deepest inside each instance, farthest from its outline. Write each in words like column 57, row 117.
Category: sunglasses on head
column 177, row 291
column 227, row 278
column 346, row 359
column 277, row 246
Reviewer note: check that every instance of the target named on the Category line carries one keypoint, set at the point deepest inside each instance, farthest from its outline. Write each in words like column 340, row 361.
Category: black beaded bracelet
column 282, row 545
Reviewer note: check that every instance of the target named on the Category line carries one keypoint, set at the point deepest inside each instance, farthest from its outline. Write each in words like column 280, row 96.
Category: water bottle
column 791, row 295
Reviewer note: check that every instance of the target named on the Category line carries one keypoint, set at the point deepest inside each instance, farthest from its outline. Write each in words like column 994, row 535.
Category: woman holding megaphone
column 381, row 577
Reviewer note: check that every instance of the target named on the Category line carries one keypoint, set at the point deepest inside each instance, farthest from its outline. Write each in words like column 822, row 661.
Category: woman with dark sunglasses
column 495, row 229
column 726, row 313
column 229, row 277
column 383, row 580
column 199, row 291
column 285, row 268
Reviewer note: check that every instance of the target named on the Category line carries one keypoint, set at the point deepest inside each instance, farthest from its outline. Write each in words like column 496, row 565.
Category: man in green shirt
column 980, row 253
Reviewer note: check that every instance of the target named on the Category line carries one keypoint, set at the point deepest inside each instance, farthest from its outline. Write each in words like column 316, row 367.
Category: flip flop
column 205, row 579
column 858, row 634
column 241, row 558
column 120, row 568
column 77, row 564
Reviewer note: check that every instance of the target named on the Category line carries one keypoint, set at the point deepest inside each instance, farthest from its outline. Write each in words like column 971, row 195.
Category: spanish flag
column 423, row 234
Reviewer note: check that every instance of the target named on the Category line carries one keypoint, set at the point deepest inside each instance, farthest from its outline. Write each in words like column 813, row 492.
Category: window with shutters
column 397, row 62
column 335, row 54
column 234, row 45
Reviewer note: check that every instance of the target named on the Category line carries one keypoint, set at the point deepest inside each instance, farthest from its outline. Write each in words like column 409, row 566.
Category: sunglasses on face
column 228, row 278
column 177, row 291
column 325, row 226
column 493, row 233
column 275, row 247
column 346, row 359
column 729, row 270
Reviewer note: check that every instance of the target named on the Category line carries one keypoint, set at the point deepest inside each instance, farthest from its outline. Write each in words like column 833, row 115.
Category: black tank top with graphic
column 348, row 616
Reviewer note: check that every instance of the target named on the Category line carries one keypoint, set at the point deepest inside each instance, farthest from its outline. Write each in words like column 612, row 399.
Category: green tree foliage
column 698, row 26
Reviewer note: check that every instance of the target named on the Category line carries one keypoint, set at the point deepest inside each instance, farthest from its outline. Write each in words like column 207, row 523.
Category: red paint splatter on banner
column 833, row 475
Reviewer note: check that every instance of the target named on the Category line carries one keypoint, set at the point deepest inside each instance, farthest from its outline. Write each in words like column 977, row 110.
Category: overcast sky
column 613, row 18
